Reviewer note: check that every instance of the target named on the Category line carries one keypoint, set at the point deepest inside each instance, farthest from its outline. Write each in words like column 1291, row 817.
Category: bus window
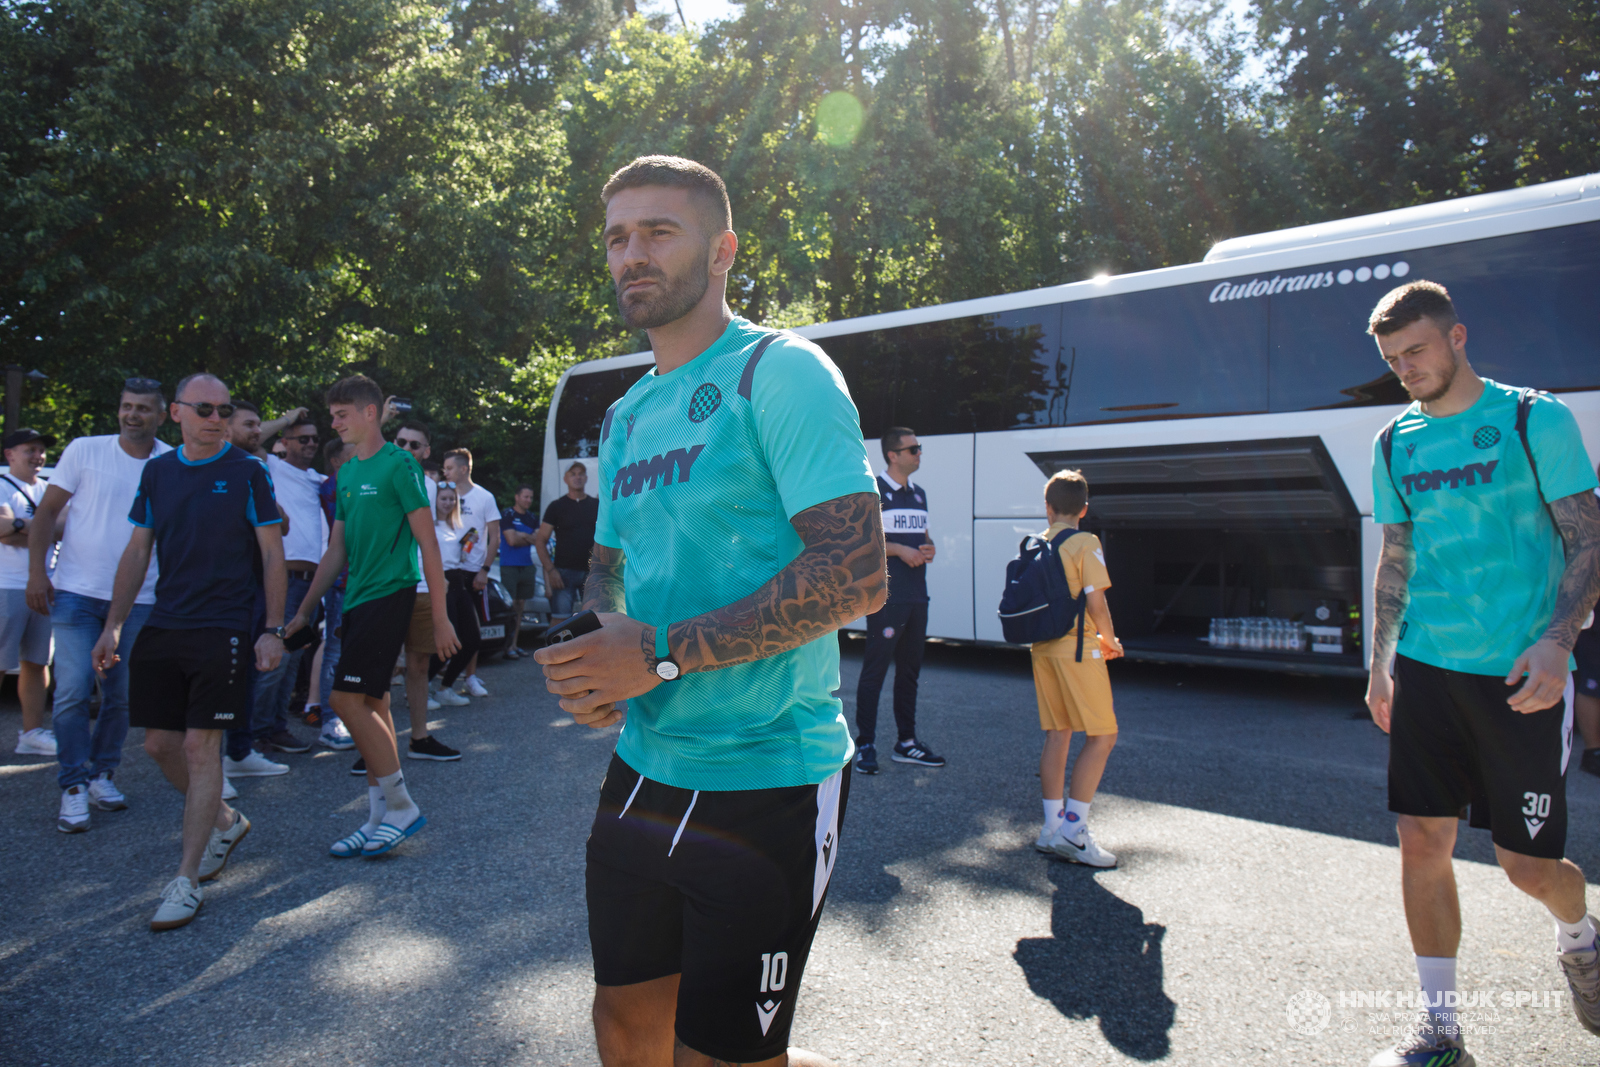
column 1001, row 371
column 1165, row 353
column 583, row 406
column 1526, row 299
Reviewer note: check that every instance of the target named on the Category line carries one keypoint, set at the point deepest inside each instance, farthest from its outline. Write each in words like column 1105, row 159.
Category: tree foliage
column 284, row 191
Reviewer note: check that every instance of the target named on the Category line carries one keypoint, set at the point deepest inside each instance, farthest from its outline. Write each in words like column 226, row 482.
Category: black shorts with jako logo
column 190, row 679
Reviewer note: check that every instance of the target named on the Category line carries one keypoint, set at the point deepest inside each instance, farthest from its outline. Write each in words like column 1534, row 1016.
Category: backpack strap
column 1525, row 399
column 1386, row 442
column 31, row 506
column 748, row 378
column 1081, row 601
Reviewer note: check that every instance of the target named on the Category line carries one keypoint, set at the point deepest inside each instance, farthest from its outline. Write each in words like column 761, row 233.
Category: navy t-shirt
column 905, row 522
column 204, row 515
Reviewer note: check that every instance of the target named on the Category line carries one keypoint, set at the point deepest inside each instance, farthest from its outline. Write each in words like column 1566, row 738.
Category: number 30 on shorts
column 1536, row 805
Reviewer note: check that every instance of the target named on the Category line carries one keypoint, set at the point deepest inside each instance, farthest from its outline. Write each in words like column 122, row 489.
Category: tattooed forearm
column 838, row 577
column 1389, row 592
column 602, row 590
column 1578, row 521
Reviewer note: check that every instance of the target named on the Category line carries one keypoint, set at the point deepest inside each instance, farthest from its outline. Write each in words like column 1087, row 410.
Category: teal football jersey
column 1488, row 559
column 701, row 470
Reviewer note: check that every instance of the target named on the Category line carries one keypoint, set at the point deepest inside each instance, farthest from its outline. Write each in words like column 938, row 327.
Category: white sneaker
column 1082, row 849
column 74, row 815
column 433, row 704
column 336, row 736
column 1043, row 842
column 255, row 765
column 179, row 901
column 36, row 742
column 104, row 795
column 451, row 699
column 473, row 688
column 221, row 846
column 228, row 791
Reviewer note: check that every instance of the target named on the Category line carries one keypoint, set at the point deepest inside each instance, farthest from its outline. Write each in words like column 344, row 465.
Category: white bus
column 1223, row 411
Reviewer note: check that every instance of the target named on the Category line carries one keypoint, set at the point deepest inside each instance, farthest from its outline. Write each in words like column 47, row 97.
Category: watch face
column 667, row 669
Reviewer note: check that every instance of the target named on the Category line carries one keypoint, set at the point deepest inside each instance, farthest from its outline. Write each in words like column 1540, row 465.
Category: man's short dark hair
column 297, row 423
column 463, row 454
column 1067, row 492
column 429, row 465
column 333, row 448
column 245, row 405
column 529, row 488
column 675, row 172
column 357, row 391
column 1405, row 304
column 416, row 427
column 148, row 387
column 892, row 438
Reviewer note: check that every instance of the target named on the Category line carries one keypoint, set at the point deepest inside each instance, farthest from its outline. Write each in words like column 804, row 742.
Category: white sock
column 1575, row 937
column 402, row 810
column 1438, row 977
column 1077, row 817
column 1054, row 816
column 376, row 806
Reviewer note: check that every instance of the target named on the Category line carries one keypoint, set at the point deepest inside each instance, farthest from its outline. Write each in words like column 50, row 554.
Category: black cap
column 26, row 436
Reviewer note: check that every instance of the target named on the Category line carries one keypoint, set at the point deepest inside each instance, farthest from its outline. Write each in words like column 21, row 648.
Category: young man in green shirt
column 1490, row 564
column 738, row 528
column 381, row 519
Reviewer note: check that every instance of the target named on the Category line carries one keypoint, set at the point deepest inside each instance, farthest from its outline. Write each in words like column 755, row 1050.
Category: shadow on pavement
column 1102, row 960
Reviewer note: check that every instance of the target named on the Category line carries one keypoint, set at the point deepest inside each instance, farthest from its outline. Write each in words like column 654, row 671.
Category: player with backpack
column 1055, row 590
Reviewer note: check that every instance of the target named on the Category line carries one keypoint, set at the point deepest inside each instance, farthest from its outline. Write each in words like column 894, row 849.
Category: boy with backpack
column 1071, row 681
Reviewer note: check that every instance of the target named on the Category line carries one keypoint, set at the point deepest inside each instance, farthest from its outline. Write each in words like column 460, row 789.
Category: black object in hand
column 306, row 634
column 586, row 622
column 399, row 406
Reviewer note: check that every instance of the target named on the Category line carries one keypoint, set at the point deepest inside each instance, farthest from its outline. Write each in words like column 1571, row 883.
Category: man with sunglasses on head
column 207, row 508
column 99, row 476
column 896, row 633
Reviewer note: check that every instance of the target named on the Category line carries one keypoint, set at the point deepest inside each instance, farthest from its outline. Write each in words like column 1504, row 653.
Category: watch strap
column 662, row 652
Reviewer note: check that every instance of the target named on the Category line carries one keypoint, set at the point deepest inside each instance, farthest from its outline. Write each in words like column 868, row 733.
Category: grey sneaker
column 221, row 846
column 179, row 901
column 1583, row 978
column 1425, row 1044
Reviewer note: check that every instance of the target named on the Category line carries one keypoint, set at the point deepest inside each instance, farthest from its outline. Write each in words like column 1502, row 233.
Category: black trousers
column 894, row 634
column 461, row 604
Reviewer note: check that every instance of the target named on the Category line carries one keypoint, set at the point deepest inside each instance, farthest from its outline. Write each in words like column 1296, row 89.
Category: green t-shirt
column 375, row 496
column 1488, row 560
column 701, row 470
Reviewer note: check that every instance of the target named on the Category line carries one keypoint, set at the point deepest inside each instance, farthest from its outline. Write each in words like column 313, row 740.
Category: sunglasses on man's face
column 411, row 443
column 205, row 409
column 305, row 439
column 915, row 450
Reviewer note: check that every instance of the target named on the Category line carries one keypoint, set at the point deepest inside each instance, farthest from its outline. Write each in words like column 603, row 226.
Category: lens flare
column 839, row 119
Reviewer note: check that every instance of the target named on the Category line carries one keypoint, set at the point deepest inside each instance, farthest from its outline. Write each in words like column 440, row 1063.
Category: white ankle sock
column 1077, row 818
column 1437, row 974
column 376, row 806
column 1054, row 816
column 402, row 810
column 1575, row 937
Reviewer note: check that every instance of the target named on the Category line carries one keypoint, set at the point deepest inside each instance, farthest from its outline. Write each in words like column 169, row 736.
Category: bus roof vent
column 1408, row 218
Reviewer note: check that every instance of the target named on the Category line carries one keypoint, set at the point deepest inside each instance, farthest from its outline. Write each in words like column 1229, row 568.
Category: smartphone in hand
column 585, row 622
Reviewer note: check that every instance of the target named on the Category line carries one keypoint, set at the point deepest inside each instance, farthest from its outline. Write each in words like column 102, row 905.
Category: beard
column 1424, row 395
column 672, row 299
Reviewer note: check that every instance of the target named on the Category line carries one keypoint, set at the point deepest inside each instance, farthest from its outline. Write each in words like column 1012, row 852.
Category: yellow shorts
column 1072, row 695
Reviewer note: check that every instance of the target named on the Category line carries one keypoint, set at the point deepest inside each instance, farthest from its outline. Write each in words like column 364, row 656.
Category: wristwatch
column 277, row 631
column 666, row 666
column 18, row 524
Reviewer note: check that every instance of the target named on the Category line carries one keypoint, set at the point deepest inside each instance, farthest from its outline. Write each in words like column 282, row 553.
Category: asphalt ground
column 1259, row 872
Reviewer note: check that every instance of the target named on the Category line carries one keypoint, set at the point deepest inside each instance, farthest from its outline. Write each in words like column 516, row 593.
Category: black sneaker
column 866, row 759
column 1591, row 761
column 360, row 766
column 284, row 741
column 431, row 748
column 914, row 751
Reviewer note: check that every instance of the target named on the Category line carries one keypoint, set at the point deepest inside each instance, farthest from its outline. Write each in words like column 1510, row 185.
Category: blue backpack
column 1037, row 604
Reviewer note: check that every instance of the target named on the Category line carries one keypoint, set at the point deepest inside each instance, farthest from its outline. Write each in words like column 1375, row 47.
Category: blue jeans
column 569, row 598
column 78, row 622
column 275, row 687
column 332, row 616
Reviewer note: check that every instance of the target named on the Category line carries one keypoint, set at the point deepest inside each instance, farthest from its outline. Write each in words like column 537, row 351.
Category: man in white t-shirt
column 297, row 487
column 24, row 634
column 100, row 476
column 480, row 518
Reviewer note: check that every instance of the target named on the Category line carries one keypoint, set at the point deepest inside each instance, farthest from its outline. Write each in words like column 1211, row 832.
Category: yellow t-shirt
column 1084, row 561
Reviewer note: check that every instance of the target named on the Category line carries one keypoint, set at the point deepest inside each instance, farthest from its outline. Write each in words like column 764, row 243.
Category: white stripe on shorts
column 1566, row 725
column 827, row 836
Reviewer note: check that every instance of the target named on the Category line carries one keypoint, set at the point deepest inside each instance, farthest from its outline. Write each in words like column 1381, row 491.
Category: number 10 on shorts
column 775, row 965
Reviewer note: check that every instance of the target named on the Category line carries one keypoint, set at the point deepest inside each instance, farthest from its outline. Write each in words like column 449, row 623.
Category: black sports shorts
column 371, row 635
column 190, row 679
column 1455, row 744
column 1587, row 654
column 724, row 888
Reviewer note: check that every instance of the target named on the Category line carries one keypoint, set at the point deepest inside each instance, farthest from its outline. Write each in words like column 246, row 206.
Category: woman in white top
column 454, row 544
